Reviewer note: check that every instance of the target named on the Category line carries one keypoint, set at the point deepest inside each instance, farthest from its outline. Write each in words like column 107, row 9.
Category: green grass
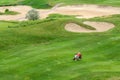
column 9, row 2
column 44, row 51
column 9, row 13
column 50, row 3
column 4, row 25
column 37, row 3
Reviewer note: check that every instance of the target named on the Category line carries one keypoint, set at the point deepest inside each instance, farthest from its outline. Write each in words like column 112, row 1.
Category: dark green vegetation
column 50, row 3
column 32, row 15
column 43, row 50
column 9, row 2
column 37, row 3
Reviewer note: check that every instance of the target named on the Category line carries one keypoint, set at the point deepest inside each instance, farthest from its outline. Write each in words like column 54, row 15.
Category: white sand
column 100, row 27
column 21, row 9
column 80, row 11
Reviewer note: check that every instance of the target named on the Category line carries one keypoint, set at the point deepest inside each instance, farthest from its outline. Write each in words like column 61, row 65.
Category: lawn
column 44, row 51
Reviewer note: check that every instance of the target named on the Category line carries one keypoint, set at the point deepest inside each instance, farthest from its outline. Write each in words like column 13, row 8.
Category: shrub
column 32, row 15
column 6, row 10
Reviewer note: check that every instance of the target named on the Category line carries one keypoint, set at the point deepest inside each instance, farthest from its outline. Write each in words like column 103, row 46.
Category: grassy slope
column 44, row 51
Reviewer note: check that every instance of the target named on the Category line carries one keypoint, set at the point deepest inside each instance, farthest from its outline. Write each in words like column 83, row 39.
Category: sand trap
column 80, row 11
column 21, row 9
column 100, row 27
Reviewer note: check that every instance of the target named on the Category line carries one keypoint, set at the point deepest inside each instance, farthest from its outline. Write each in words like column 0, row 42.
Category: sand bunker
column 100, row 27
column 80, row 11
column 21, row 9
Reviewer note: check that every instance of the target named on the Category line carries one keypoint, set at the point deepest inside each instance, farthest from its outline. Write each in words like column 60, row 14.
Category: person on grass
column 77, row 56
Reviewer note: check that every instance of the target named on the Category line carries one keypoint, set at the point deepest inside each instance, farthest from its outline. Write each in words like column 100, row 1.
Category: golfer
column 79, row 55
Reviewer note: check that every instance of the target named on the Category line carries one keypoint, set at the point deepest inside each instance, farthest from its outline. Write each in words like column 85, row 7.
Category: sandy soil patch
column 75, row 28
column 83, row 11
column 100, row 27
column 21, row 9
column 80, row 11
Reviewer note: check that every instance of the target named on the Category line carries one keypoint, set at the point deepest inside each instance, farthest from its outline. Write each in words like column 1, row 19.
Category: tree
column 32, row 15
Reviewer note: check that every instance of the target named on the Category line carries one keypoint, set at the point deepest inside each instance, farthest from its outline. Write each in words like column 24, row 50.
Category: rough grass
column 44, row 51
column 51, row 3
column 9, row 2
column 37, row 3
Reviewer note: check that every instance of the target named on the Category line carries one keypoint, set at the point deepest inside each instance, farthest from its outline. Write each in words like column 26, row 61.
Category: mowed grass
column 44, row 51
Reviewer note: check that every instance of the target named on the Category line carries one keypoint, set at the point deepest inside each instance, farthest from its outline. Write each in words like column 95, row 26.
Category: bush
column 6, row 10
column 32, row 15
column 59, row 16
